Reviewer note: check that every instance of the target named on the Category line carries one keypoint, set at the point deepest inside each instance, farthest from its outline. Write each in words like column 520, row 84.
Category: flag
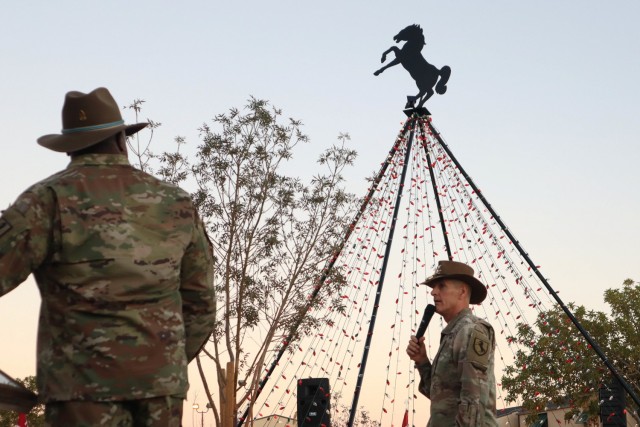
column 405, row 420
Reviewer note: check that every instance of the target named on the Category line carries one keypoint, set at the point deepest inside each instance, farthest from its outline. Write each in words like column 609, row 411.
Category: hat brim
column 77, row 141
column 478, row 289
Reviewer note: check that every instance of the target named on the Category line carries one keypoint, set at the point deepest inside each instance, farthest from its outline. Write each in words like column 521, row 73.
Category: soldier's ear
column 466, row 294
column 121, row 141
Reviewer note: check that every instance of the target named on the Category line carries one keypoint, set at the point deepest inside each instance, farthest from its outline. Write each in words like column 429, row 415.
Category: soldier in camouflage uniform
column 460, row 382
column 125, row 272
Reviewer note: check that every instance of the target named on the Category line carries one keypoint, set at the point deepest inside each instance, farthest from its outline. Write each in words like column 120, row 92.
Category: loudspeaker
column 314, row 402
column 612, row 404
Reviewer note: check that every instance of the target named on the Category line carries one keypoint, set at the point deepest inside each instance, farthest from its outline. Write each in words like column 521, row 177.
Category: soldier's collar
column 449, row 328
column 99, row 159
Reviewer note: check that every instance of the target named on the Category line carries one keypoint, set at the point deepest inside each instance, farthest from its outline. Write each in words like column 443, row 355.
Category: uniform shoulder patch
column 479, row 347
column 4, row 227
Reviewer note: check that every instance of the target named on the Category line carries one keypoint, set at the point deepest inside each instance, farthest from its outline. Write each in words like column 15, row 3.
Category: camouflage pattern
column 461, row 382
column 155, row 412
column 125, row 272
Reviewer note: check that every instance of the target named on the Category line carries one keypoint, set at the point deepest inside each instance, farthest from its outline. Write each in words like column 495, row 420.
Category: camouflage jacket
column 125, row 273
column 461, row 382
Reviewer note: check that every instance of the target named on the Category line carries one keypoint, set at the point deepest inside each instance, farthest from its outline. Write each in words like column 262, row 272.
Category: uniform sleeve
column 26, row 230
column 474, row 348
column 196, row 288
column 425, row 378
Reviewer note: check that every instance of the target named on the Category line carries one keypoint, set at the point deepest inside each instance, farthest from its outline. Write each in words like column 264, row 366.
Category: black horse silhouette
column 425, row 74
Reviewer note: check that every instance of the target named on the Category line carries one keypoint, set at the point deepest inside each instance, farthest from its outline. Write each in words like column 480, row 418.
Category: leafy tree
column 272, row 234
column 35, row 417
column 140, row 149
column 340, row 414
column 556, row 364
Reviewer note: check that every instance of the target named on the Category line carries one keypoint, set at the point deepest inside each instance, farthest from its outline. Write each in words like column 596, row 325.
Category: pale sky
column 541, row 108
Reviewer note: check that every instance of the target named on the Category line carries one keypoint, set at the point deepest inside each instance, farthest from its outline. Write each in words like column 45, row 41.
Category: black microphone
column 426, row 318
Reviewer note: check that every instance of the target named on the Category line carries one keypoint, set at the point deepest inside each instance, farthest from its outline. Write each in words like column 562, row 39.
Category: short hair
column 459, row 282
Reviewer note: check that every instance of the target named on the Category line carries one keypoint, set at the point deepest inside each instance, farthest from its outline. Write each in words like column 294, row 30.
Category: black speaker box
column 612, row 405
column 314, row 402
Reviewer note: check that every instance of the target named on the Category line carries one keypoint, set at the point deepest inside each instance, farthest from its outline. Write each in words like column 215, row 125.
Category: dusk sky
column 541, row 109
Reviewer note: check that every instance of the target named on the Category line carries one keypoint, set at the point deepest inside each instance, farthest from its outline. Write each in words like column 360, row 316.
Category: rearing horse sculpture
column 425, row 74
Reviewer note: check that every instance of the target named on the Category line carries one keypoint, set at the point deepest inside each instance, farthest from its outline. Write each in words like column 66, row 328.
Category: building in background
column 553, row 417
column 275, row 421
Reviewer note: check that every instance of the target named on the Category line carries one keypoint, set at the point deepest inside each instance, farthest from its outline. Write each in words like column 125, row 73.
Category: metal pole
column 387, row 252
column 553, row 293
column 327, row 269
column 435, row 193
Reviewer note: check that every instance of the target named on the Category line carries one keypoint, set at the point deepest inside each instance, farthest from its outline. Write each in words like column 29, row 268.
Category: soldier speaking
column 460, row 382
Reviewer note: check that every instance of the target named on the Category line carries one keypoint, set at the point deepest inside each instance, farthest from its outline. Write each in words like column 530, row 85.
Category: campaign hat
column 460, row 271
column 88, row 118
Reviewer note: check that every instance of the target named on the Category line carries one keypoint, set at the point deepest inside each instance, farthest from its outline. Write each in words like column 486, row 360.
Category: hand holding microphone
column 416, row 349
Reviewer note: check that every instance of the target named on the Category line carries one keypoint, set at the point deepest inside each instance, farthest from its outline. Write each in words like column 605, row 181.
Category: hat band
column 90, row 128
